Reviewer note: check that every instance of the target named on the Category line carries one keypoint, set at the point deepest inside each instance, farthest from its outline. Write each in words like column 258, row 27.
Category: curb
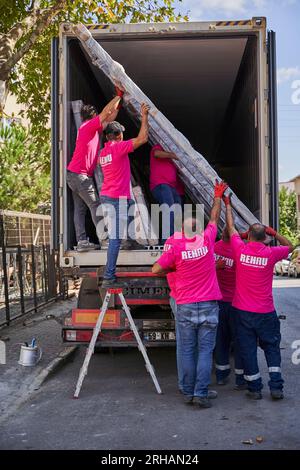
column 65, row 354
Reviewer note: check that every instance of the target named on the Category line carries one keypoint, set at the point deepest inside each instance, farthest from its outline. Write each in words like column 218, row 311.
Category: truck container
column 216, row 82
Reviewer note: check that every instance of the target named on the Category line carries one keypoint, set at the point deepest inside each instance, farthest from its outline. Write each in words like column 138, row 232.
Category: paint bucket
column 29, row 355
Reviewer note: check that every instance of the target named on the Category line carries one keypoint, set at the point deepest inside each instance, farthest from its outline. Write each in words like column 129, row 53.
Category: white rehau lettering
column 192, row 254
column 106, row 160
column 255, row 261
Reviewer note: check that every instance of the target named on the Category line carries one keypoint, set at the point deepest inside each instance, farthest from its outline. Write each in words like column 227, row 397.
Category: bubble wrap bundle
column 196, row 173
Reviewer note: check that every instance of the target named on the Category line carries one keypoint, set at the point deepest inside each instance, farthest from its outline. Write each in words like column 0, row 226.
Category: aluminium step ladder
column 97, row 329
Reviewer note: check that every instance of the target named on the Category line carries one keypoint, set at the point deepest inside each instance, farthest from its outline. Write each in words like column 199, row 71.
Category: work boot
column 212, row 394
column 223, row 381
column 187, row 399
column 254, row 395
column 202, row 402
column 241, row 387
column 86, row 245
column 277, row 394
column 111, row 284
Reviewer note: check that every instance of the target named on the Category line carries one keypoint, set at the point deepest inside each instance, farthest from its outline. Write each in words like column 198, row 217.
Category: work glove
column 270, row 231
column 220, row 188
column 220, row 264
column 244, row 235
column 119, row 92
column 227, row 199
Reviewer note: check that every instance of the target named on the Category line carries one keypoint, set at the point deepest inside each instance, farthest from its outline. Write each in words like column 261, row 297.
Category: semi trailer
column 216, row 82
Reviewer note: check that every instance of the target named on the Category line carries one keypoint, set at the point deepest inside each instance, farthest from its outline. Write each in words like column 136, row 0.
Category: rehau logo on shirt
column 192, row 254
column 106, row 160
column 255, row 261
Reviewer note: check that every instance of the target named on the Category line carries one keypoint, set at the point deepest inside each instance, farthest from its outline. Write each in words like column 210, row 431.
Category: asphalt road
column 119, row 409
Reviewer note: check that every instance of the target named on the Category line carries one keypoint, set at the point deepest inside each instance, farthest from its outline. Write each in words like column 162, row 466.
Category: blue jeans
column 197, row 324
column 116, row 216
column 165, row 194
column 226, row 335
column 264, row 329
column 173, row 306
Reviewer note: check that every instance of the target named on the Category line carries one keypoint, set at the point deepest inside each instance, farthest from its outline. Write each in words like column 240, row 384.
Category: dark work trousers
column 226, row 336
column 262, row 329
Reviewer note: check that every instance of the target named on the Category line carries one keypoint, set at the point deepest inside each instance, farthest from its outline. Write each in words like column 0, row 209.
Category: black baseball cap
column 114, row 127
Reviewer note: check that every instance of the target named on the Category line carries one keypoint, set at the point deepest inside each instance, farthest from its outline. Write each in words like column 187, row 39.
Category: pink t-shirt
column 171, row 277
column 254, row 274
column 85, row 155
column 114, row 161
column 226, row 276
column 162, row 170
column 194, row 262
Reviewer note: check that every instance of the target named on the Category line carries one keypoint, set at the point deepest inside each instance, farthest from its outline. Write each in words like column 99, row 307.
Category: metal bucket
column 29, row 356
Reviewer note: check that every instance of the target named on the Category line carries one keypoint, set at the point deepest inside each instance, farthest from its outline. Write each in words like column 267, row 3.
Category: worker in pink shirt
column 256, row 318
column 81, row 168
column 165, row 184
column 225, row 265
column 115, row 194
column 191, row 256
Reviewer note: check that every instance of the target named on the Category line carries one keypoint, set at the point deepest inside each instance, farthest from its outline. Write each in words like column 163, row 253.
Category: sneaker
column 111, row 284
column 277, row 394
column 222, row 381
column 86, row 245
column 202, row 402
column 212, row 394
column 254, row 395
column 188, row 400
column 241, row 387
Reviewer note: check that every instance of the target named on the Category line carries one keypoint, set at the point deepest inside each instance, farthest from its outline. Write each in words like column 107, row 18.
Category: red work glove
column 270, row 231
column 119, row 92
column 244, row 235
column 220, row 188
column 227, row 199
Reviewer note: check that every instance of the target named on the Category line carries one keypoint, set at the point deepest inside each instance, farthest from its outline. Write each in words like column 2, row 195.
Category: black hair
column 257, row 232
column 87, row 112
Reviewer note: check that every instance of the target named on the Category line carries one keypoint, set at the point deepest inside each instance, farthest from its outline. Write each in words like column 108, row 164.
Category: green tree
column 288, row 215
column 27, row 27
column 25, row 170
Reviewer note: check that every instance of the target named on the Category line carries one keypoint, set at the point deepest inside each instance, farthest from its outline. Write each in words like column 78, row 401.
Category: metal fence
column 30, row 275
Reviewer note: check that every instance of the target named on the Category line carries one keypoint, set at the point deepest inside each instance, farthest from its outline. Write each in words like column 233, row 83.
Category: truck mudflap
column 146, row 294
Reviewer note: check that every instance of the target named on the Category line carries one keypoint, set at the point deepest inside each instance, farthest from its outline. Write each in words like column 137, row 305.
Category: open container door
column 54, row 144
column 273, row 130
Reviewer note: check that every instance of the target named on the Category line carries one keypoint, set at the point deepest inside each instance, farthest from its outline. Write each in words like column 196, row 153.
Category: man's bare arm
column 283, row 241
column 157, row 269
column 229, row 216
column 110, row 111
column 142, row 137
column 163, row 154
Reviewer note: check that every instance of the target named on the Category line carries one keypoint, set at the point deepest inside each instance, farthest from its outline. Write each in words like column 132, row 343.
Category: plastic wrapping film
column 196, row 173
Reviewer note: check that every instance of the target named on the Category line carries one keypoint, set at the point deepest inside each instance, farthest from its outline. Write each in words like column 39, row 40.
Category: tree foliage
column 30, row 79
column 288, row 215
column 25, row 170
